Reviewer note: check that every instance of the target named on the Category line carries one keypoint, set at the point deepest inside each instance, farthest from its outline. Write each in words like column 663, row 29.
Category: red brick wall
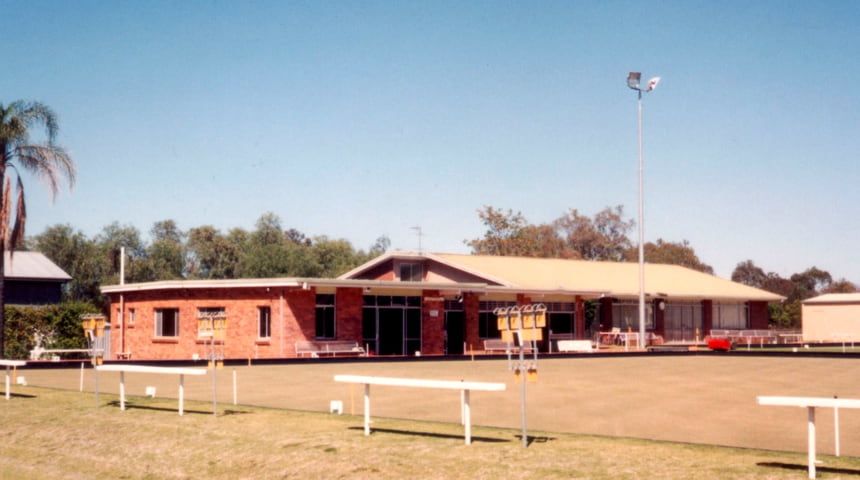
column 299, row 318
column 292, row 319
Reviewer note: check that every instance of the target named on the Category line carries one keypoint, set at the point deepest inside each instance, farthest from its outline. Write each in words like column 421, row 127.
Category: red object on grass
column 723, row 344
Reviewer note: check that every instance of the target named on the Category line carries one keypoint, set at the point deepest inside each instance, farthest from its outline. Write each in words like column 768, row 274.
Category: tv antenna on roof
column 420, row 234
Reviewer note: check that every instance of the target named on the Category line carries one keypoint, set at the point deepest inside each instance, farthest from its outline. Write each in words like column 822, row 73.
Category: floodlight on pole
column 633, row 79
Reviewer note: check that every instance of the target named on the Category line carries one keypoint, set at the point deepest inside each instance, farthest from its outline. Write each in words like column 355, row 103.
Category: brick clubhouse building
column 402, row 303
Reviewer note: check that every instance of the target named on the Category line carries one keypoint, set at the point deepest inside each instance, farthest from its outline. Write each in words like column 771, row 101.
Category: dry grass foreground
column 50, row 434
column 702, row 399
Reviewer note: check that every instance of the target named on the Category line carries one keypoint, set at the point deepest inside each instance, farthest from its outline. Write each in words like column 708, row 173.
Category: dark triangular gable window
column 411, row 272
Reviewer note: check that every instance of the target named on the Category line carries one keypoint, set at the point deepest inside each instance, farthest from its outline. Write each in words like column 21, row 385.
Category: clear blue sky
column 359, row 119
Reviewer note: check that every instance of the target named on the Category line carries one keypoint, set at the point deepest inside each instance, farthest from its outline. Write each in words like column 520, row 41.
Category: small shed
column 33, row 279
column 833, row 317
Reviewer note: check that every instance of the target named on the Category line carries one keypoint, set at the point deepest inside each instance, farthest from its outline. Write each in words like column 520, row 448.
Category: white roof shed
column 833, row 317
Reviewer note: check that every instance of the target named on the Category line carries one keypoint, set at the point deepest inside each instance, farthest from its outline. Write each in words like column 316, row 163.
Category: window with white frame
column 731, row 316
column 131, row 316
column 264, row 322
column 166, row 322
column 325, row 321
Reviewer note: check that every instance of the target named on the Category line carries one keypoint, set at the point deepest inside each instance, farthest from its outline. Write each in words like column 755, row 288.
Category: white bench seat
column 462, row 386
column 576, row 346
column 499, row 345
column 810, row 403
column 122, row 369
column 316, row 348
column 9, row 364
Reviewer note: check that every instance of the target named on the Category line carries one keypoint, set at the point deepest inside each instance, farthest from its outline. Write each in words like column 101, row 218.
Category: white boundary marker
column 463, row 386
column 9, row 364
column 149, row 369
column 811, row 403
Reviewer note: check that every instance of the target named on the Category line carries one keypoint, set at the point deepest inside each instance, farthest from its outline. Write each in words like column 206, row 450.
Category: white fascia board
column 199, row 284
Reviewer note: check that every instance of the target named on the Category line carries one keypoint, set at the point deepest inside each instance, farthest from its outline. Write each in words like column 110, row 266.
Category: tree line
column 270, row 250
column 604, row 236
column 574, row 235
column 203, row 252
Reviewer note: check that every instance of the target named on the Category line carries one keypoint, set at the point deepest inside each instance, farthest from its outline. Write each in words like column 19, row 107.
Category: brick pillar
column 707, row 317
column 471, row 306
column 605, row 314
column 579, row 327
column 348, row 314
column 659, row 316
column 432, row 323
column 759, row 315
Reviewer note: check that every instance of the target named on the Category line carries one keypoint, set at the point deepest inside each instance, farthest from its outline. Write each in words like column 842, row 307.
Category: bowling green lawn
column 590, row 417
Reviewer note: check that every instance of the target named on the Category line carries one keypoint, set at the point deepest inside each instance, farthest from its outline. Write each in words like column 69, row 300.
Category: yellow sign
column 531, row 334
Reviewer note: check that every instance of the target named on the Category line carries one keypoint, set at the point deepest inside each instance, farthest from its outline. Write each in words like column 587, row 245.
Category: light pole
column 633, row 82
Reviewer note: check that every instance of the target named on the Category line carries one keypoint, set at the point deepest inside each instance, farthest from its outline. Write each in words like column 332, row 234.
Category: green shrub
column 58, row 325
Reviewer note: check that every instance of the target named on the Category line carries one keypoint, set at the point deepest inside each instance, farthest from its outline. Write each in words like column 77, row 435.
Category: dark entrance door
column 455, row 330
column 390, row 331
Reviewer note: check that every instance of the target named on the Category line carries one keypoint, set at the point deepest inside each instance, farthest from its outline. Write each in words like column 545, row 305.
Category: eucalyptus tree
column 45, row 159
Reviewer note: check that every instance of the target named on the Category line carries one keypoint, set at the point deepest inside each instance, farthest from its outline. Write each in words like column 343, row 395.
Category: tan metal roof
column 619, row 279
column 514, row 274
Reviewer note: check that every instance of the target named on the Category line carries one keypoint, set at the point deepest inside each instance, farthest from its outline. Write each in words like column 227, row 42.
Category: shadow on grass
column 20, row 395
column 431, row 434
column 530, row 440
column 804, row 467
column 128, row 406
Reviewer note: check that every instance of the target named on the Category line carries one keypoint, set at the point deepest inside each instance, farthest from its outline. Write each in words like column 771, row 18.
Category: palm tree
column 48, row 161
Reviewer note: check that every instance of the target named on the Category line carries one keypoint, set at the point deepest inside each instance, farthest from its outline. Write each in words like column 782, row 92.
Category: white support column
column 467, row 415
column 811, row 422
column 7, row 382
column 366, row 409
column 462, row 407
column 836, row 428
column 182, row 393
column 122, row 390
